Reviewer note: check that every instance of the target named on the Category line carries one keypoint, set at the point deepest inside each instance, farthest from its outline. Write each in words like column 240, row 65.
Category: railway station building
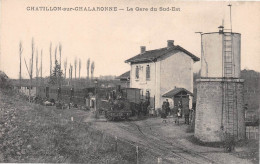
column 163, row 73
column 124, row 79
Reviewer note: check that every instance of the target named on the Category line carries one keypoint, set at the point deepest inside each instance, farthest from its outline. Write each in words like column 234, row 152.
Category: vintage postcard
column 129, row 81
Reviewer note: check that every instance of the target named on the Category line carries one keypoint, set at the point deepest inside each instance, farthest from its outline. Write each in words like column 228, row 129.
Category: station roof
column 153, row 55
column 124, row 76
column 175, row 91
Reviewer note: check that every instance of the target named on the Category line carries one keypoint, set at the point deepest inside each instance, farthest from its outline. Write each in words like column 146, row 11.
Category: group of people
column 143, row 108
column 178, row 111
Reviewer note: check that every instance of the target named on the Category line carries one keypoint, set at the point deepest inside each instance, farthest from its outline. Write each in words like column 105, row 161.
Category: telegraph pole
column 230, row 17
column 20, row 72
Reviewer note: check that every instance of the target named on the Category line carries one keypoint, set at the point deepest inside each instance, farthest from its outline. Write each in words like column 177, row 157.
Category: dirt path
column 165, row 140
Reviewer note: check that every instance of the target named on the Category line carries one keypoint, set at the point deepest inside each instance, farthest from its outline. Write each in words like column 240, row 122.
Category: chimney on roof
column 170, row 43
column 221, row 29
column 143, row 49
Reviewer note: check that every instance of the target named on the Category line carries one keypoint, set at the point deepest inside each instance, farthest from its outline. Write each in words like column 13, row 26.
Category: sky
column 110, row 38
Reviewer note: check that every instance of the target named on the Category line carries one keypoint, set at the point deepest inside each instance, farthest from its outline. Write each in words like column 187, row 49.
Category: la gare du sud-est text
column 32, row 8
column 153, row 9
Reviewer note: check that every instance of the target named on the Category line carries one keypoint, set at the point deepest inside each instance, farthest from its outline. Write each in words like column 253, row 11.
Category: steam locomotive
column 121, row 104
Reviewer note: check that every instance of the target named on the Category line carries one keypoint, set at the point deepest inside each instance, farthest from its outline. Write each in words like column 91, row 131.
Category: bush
column 4, row 80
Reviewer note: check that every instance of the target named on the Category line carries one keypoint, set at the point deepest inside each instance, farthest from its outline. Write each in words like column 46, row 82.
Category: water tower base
column 214, row 119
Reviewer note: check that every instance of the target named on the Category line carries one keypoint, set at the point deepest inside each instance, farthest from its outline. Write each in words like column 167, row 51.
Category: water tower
column 219, row 107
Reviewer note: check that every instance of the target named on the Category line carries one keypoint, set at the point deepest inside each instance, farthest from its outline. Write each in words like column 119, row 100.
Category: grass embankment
column 34, row 133
column 249, row 150
column 245, row 149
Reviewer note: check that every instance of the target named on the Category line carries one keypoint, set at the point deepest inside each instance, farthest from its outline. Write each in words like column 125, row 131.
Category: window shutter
column 137, row 72
column 147, row 72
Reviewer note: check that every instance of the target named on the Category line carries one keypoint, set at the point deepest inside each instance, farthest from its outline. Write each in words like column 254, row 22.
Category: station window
column 137, row 72
column 148, row 72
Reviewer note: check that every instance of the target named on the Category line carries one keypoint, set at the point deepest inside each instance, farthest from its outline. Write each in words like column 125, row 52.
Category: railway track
column 164, row 145
column 159, row 143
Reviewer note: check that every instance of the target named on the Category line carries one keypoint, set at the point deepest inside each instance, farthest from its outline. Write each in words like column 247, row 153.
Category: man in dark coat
column 167, row 107
column 163, row 114
column 186, row 115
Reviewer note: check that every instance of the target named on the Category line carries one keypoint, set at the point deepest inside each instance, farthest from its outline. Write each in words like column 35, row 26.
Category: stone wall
column 211, row 116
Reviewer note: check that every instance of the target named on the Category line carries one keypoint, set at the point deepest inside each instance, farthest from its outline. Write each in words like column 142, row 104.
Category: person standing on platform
column 167, row 107
column 163, row 114
column 186, row 115
column 178, row 115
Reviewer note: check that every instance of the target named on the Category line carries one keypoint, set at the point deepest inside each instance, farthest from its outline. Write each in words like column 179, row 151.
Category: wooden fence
column 252, row 132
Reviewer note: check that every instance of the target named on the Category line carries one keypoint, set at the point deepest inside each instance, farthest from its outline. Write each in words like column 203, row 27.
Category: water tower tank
column 221, row 53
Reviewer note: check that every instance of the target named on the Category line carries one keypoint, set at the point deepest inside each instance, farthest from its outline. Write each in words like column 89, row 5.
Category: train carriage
column 65, row 94
column 53, row 94
column 115, row 103
column 41, row 92
column 80, row 95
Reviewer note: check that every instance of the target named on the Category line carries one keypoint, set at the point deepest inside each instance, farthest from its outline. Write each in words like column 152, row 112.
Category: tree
column 50, row 59
column 92, row 69
column 79, row 67
column 75, row 66
column 70, row 73
column 20, row 53
column 65, row 68
column 55, row 54
column 30, row 70
column 57, row 74
column 60, row 48
column 37, row 70
column 41, row 69
column 88, row 64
